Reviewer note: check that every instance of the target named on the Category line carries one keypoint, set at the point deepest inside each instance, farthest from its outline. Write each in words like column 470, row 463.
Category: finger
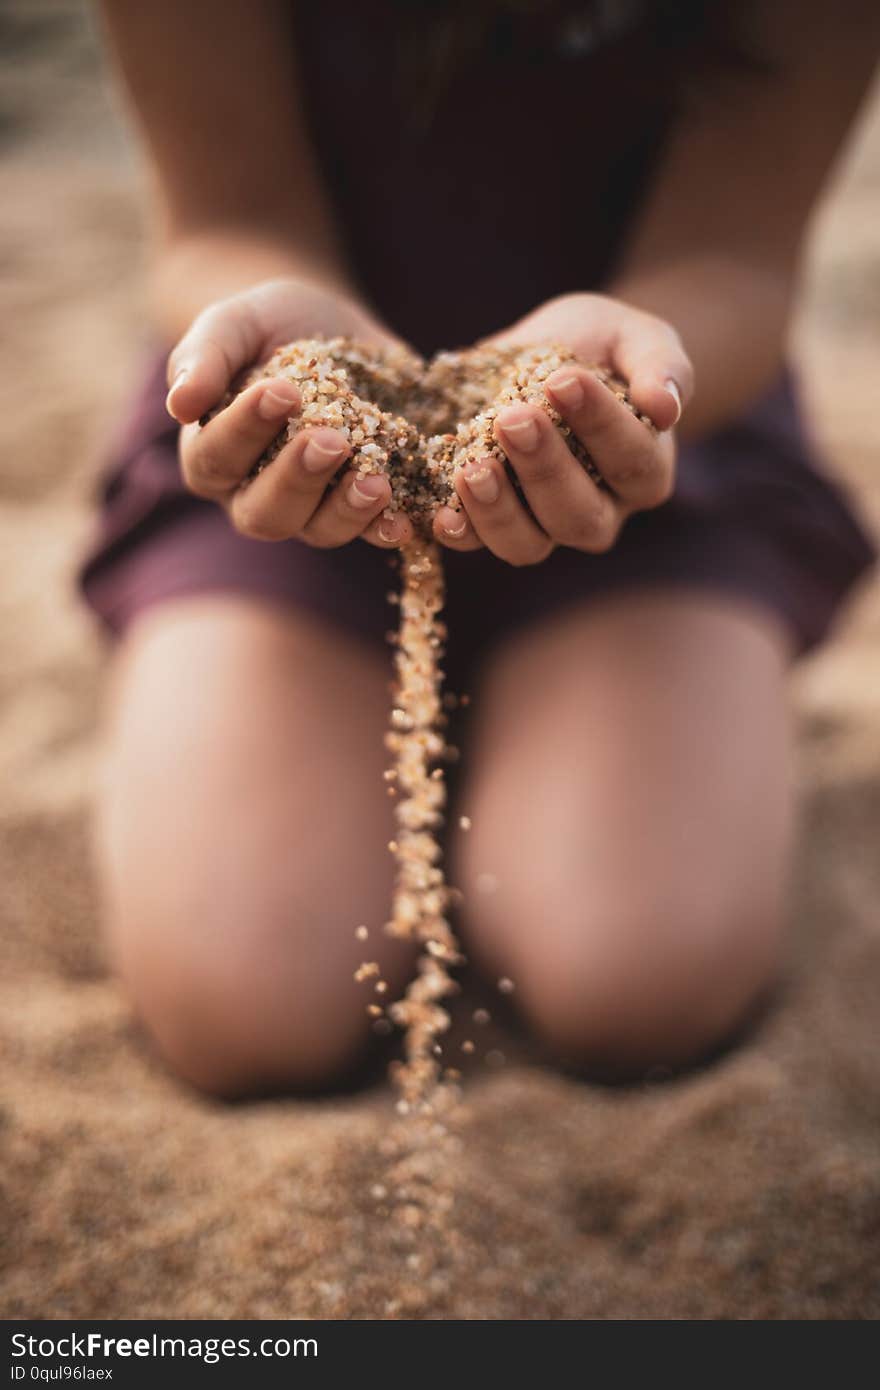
column 281, row 500
column 497, row 515
column 348, row 509
column 224, row 338
column 567, row 504
column 637, row 463
column 453, row 528
column 214, row 459
column 390, row 531
column 650, row 356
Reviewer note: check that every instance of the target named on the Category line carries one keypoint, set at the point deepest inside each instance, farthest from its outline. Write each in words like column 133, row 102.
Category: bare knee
column 621, row 995
column 239, row 1024
column 218, row 1043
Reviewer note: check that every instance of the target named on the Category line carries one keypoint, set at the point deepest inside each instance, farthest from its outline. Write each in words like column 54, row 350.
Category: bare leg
column 242, row 839
column 630, row 793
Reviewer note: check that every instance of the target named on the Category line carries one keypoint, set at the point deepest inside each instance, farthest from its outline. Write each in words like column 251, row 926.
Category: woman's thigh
column 631, row 809
column 243, row 833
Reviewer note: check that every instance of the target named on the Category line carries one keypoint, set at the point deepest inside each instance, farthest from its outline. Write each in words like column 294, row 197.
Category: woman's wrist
column 732, row 316
column 196, row 269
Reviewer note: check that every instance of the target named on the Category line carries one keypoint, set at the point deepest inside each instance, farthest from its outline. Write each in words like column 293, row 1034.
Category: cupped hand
column 290, row 498
column 637, row 463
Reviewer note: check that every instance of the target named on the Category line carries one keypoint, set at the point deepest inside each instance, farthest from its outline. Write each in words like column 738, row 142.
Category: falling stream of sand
column 417, row 423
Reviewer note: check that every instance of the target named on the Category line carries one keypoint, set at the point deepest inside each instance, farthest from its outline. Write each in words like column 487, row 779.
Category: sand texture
column 750, row 1189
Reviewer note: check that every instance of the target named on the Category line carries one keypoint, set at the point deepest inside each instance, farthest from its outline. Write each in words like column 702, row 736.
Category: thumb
column 650, row 356
column 222, row 340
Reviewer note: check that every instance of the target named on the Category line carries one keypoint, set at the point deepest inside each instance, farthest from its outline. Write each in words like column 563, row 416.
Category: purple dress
column 437, row 183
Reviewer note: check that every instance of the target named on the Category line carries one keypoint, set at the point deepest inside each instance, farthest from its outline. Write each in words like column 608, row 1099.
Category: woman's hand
column 636, row 463
column 288, row 499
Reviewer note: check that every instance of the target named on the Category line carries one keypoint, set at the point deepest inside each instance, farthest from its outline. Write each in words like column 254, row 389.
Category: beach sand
column 749, row 1189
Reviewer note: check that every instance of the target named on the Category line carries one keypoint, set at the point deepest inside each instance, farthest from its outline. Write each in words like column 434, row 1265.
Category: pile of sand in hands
column 417, row 423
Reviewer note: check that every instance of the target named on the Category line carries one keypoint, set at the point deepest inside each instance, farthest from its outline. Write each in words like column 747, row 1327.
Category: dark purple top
column 467, row 199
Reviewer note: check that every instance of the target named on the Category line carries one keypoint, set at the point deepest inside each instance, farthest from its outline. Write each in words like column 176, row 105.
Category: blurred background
column 751, row 1190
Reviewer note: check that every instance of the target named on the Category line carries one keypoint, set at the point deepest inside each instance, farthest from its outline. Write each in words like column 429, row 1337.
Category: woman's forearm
column 716, row 247
column 238, row 193
column 732, row 316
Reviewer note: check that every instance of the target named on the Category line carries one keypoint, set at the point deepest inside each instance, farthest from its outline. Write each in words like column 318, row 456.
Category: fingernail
column 457, row 530
column 568, row 390
column 482, row 481
column 672, row 388
column 276, row 401
column 317, row 457
column 179, row 379
column 388, row 531
column 523, row 434
column 365, row 492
